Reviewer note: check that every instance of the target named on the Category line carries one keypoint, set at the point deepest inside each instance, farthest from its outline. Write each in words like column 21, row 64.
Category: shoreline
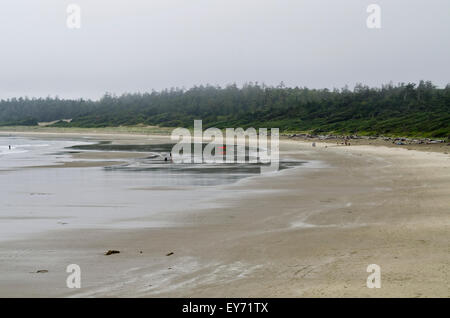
column 308, row 233
column 122, row 132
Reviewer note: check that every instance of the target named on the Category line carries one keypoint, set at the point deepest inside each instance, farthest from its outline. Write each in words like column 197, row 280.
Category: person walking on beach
column 168, row 158
column 9, row 147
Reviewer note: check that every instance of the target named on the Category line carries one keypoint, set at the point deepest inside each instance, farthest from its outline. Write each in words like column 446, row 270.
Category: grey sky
column 133, row 45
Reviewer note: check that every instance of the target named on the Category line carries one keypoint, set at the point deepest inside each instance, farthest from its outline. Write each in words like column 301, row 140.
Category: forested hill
column 404, row 109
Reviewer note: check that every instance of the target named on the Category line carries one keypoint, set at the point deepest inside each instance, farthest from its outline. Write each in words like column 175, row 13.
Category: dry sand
column 307, row 232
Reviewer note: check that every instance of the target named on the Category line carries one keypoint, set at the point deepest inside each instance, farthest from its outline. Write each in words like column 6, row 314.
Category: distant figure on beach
column 167, row 158
column 9, row 147
column 313, row 144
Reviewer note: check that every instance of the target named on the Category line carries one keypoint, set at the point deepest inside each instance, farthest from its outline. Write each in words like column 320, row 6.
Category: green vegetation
column 20, row 122
column 404, row 109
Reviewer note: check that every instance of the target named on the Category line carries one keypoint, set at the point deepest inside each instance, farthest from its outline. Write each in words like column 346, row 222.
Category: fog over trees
column 404, row 109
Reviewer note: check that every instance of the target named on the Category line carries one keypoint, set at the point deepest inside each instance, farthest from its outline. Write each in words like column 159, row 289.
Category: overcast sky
column 140, row 45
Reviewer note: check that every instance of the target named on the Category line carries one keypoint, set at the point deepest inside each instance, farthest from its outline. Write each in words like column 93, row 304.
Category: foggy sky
column 137, row 46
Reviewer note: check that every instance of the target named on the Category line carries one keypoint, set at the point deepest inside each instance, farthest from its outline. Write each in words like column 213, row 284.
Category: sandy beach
column 310, row 231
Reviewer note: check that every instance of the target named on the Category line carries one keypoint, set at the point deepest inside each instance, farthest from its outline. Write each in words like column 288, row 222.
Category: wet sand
column 80, row 164
column 306, row 232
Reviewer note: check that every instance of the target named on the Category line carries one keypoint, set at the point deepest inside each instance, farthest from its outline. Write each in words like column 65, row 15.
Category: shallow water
column 144, row 192
column 26, row 152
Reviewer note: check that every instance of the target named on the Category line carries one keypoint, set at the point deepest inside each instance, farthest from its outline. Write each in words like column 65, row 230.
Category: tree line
column 404, row 109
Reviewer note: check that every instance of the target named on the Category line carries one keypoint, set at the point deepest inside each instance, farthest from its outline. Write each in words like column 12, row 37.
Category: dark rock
column 168, row 254
column 110, row 252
